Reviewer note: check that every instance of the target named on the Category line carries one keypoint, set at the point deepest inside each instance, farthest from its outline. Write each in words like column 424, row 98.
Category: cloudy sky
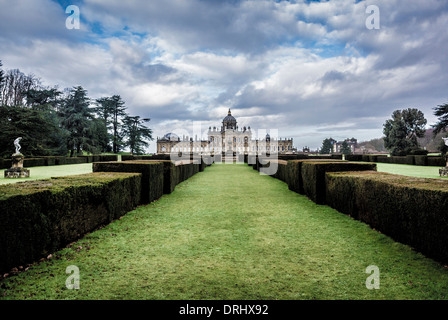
column 310, row 69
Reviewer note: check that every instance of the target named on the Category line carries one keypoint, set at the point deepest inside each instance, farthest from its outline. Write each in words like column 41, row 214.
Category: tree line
column 68, row 122
column 402, row 132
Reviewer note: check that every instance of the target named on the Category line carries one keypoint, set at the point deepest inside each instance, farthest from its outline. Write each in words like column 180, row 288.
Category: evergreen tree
column 77, row 119
column 112, row 110
column 441, row 112
column 327, row 146
column 39, row 129
column 443, row 148
column 345, row 148
column 401, row 132
column 2, row 79
column 43, row 97
column 136, row 133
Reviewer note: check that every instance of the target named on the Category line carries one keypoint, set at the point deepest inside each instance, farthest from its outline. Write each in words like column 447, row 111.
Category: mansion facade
column 228, row 138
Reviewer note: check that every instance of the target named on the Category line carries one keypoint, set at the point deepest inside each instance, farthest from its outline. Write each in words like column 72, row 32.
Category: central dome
column 229, row 117
column 229, row 122
column 171, row 137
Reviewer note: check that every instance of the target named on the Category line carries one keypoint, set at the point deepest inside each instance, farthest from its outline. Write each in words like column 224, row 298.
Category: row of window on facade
column 220, row 149
column 219, row 139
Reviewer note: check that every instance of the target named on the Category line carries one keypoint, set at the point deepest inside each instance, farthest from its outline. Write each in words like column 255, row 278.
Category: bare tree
column 15, row 86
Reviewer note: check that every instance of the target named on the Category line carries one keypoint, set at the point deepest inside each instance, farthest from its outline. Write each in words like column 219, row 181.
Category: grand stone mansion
column 228, row 138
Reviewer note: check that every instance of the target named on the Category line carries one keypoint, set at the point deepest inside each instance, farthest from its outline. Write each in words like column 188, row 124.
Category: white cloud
column 300, row 66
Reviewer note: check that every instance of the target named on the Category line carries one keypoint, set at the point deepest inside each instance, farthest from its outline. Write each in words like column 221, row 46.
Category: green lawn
column 230, row 233
column 37, row 173
column 410, row 170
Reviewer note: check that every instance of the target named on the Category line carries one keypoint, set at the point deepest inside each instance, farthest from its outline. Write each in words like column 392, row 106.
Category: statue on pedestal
column 17, row 170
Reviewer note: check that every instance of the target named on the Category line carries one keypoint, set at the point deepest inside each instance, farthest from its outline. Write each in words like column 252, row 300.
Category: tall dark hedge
column 411, row 210
column 152, row 175
column 294, row 173
column 39, row 217
column 313, row 176
column 282, row 173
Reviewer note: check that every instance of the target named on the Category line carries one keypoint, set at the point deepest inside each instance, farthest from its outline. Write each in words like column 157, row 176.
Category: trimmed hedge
column 410, row 210
column 42, row 216
column 170, row 174
column 313, row 176
column 384, row 159
column 75, row 160
column 5, row 163
column 436, row 161
column 294, row 173
column 353, row 157
column 293, row 156
column 34, row 162
column 282, row 170
column 107, row 158
column 421, row 160
column 152, row 176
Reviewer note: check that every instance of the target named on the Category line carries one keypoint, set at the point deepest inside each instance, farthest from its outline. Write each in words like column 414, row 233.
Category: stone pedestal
column 17, row 170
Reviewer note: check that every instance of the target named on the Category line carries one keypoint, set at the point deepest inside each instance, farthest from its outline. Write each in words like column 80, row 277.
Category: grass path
column 230, row 233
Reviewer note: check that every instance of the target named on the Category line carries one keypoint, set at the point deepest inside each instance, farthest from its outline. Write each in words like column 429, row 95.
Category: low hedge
column 436, row 161
column 106, row 158
column 410, row 210
column 152, row 176
column 287, row 157
column 313, row 176
column 5, row 163
column 421, row 160
column 384, row 159
column 75, row 160
column 42, row 216
column 353, row 157
column 34, row 162
column 50, row 161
